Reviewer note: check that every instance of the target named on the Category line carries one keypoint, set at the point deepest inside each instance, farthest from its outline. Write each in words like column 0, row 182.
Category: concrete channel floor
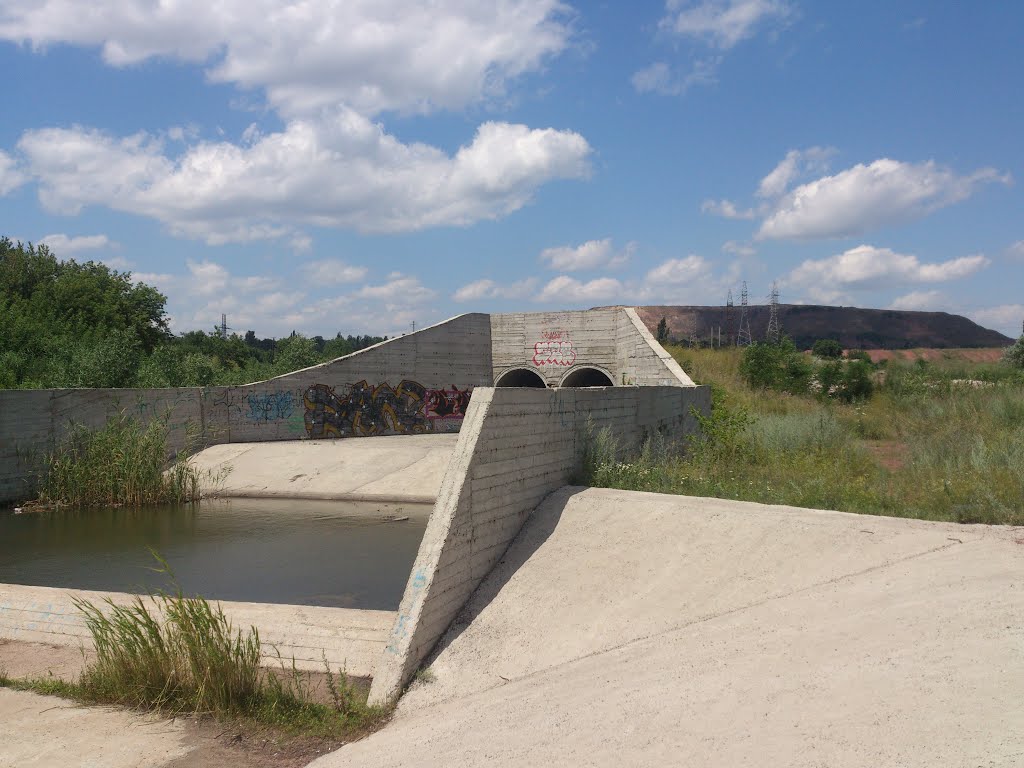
column 388, row 468
column 639, row 629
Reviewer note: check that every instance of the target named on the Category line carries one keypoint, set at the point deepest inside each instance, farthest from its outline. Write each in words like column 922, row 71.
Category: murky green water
column 343, row 554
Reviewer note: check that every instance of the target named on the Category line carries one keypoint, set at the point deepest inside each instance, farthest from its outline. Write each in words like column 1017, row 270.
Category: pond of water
column 341, row 554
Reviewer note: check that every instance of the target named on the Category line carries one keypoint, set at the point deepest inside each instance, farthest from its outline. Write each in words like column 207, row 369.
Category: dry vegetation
column 937, row 441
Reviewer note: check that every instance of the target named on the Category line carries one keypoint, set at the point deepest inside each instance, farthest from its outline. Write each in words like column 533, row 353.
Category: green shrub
column 1014, row 355
column 827, row 348
column 775, row 366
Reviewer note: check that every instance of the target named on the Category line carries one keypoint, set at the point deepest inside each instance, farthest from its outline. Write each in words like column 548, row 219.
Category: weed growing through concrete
column 925, row 445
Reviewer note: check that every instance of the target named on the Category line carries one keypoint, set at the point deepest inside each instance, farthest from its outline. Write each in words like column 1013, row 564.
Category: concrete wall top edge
column 373, row 348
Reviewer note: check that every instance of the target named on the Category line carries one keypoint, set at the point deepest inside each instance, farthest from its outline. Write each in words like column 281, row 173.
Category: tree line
column 70, row 324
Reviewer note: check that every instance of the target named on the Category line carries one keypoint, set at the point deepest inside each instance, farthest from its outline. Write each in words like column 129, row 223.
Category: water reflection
column 345, row 554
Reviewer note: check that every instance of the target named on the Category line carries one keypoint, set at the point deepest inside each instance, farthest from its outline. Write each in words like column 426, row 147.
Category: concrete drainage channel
column 514, row 446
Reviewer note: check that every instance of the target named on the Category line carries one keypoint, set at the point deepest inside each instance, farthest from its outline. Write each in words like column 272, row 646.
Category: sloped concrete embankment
column 629, row 628
column 516, row 446
column 395, row 468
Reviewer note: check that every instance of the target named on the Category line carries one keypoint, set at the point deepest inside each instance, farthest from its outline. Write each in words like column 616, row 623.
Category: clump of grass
column 122, row 463
column 180, row 655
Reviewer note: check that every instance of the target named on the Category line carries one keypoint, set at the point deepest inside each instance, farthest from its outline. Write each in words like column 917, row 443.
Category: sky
column 361, row 166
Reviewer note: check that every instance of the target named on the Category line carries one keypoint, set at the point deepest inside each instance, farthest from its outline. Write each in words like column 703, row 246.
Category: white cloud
column 1016, row 251
column 489, row 289
column 795, row 164
column 738, row 249
column 333, row 272
column 662, row 78
column 340, row 170
column 919, row 300
column 569, row 290
column 675, row 271
column 64, row 246
column 10, row 176
column 722, row 23
column 678, row 280
column 160, row 280
column 726, row 209
column 866, row 267
column 399, row 289
column 306, row 55
column 207, row 277
column 1007, row 318
column 866, row 197
column 275, row 306
column 592, row 254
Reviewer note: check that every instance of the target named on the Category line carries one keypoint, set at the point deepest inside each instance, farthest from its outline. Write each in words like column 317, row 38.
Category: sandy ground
column 637, row 629
column 48, row 731
column 390, row 468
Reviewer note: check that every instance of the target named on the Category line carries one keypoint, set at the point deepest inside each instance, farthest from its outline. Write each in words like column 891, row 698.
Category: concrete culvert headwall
column 586, row 377
column 520, row 377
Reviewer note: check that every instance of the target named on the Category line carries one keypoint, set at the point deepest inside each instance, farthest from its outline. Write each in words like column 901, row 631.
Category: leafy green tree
column 1014, row 354
column 827, row 349
column 64, row 323
column 295, row 352
column 775, row 366
column 662, row 332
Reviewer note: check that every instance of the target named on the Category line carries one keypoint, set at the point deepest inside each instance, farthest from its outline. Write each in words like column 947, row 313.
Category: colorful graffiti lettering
column 446, row 403
column 366, row 410
column 268, row 406
column 554, row 349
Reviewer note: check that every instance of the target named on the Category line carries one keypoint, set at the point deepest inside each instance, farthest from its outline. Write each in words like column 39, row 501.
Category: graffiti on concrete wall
column 366, row 409
column 269, row 406
column 446, row 403
column 555, row 348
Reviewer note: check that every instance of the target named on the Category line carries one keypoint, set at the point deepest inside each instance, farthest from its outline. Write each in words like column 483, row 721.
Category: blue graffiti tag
column 269, row 406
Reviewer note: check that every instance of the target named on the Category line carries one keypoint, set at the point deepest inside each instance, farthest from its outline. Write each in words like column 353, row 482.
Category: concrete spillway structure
column 521, row 390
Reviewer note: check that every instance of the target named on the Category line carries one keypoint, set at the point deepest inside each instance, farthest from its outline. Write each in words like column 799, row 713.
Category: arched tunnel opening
column 587, row 377
column 520, row 377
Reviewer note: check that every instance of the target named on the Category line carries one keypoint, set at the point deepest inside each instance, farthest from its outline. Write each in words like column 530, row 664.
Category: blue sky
column 359, row 166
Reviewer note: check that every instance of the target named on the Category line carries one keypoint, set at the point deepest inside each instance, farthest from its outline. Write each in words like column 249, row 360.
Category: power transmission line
column 774, row 329
column 743, row 338
column 730, row 320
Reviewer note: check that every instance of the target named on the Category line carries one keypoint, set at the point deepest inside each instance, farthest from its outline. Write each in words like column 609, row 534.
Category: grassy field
column 937, row 441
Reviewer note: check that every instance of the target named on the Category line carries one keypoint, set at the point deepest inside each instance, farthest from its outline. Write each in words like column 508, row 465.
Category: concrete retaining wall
column 415, row 383
column 642, row 360
column 516, row 447
column 613, row 340
column 344, row 637
column 32, row 422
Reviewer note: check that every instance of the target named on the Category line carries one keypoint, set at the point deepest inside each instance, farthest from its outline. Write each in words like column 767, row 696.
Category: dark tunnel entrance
column 520, row 377
column 587, row 377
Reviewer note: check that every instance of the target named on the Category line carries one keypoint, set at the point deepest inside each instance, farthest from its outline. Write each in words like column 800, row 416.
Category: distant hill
column 852, row 327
